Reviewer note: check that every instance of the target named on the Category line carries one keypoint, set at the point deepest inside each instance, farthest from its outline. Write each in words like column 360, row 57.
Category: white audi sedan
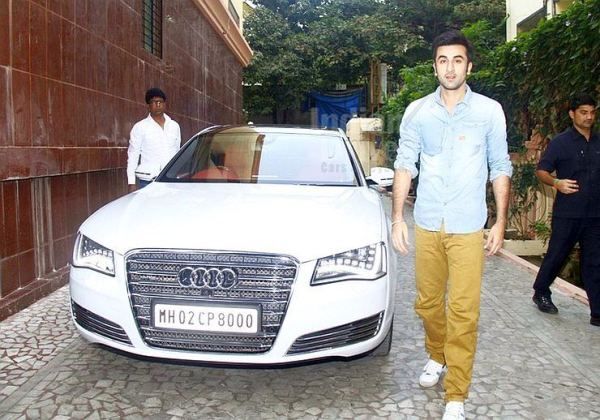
column 254, row 245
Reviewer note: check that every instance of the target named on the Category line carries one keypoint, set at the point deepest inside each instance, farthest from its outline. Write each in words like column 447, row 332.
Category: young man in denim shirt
column 459, row 138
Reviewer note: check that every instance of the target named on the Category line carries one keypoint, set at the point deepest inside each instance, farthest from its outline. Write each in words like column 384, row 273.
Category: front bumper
column 314, row 313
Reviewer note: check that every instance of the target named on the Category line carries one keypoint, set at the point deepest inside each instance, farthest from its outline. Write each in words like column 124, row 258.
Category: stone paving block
column 528, row 365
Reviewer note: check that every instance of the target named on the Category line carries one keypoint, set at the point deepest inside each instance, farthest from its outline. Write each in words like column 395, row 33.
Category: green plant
column 526, row 193
column 534, row 75
column 542, row 230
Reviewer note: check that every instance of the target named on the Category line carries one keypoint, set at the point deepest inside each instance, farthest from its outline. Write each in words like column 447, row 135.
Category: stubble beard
column 454, row 85
column 585, row 125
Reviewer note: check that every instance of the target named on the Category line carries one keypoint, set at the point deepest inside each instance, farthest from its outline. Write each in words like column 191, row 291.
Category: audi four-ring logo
column 209, row 278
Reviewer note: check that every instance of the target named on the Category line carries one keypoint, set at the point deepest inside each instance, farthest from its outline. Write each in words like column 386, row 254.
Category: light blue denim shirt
column 457, row 152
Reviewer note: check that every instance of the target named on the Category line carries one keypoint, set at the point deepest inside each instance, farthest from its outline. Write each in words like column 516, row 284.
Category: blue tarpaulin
column 334, row 110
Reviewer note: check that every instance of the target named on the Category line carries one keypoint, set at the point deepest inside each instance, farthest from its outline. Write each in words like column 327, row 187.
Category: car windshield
column 248, row 156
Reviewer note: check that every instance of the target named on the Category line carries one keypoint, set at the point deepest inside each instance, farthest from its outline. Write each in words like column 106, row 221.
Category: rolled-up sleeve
column 497, row 147
column 409, row 144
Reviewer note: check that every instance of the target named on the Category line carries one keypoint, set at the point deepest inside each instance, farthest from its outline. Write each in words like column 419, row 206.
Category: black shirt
column 572, row 157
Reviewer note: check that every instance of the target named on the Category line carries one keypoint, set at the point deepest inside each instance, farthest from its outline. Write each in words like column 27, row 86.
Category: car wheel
column 383, row 349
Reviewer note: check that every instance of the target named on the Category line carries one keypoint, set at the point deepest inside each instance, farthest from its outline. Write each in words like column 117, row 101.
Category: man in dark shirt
column 575, row 157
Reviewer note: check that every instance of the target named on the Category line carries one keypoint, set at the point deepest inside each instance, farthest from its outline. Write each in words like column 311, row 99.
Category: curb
column 562, row 286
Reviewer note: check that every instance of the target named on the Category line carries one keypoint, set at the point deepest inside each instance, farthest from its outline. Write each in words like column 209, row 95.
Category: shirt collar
column 167, row 118
column 575, row 133
column 466, row 100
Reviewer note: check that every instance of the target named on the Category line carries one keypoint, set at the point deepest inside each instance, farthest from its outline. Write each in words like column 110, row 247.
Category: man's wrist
column 501, row 224
column 555, row 182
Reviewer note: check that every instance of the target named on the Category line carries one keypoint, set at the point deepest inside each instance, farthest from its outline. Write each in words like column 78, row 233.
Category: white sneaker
column 431, row 373
column 455, row 410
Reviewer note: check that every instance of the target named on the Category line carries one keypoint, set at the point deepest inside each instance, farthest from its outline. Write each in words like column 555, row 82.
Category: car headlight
column 92, row 255
column 366, row 263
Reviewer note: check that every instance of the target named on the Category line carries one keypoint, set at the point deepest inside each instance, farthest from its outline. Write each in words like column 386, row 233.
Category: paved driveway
column 529, row 365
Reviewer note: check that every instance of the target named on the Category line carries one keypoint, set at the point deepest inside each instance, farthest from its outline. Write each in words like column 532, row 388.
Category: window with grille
column 152, row 26
column 234, row 13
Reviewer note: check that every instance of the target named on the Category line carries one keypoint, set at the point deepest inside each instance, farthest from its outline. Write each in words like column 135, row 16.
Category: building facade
column 73, row 74
column 524, row 15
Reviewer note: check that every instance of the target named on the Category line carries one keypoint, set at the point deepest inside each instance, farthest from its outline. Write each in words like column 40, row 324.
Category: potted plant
column 528, row 214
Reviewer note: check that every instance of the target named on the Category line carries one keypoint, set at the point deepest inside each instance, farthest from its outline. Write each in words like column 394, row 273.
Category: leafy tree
column 346, row 39
column 301, row 45
column 466, row 13
column 296, row 12
column 432, row 17
column 278, row 75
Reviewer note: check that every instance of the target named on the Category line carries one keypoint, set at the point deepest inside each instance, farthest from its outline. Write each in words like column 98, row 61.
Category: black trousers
column 566, row 233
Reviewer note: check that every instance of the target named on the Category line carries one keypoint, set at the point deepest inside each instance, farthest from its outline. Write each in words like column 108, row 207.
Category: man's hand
column 495, row 239
column 400, row 237
column 132, row 187
column 566, row 186
column 402, row 181
column 501, row 188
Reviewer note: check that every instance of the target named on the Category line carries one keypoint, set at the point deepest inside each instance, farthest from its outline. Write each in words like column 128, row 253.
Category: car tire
column 383, row 349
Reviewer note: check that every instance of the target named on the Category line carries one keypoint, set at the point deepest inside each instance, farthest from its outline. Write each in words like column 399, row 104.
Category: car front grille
column 342, row 335
column 264, row 280
column 99, row 325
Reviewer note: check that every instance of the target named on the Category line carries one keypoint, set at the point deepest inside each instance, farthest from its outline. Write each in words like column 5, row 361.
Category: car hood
column 306, row 222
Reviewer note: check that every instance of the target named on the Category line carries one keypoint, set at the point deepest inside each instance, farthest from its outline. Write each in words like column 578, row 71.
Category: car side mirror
column 383, row 177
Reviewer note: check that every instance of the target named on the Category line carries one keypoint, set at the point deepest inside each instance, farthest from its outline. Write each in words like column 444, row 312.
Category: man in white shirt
column 153, row 141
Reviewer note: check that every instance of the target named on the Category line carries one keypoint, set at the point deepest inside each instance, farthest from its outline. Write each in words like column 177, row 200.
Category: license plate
column 223, row 319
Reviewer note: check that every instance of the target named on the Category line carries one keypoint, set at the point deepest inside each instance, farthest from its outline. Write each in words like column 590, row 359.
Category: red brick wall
column 72, row 79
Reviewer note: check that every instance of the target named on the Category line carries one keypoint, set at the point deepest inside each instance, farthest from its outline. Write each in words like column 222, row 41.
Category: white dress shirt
column 156, row 146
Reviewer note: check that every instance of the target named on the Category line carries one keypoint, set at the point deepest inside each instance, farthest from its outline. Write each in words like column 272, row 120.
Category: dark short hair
column 452, row 37
column 581, row 99
column 155, row 93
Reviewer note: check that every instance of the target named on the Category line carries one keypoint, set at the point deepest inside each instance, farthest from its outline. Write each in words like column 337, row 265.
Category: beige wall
column 239, row 8
column 363, row 133
column 218, row 15
column 519, row 10
column 237, row 5
column 562, row 5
